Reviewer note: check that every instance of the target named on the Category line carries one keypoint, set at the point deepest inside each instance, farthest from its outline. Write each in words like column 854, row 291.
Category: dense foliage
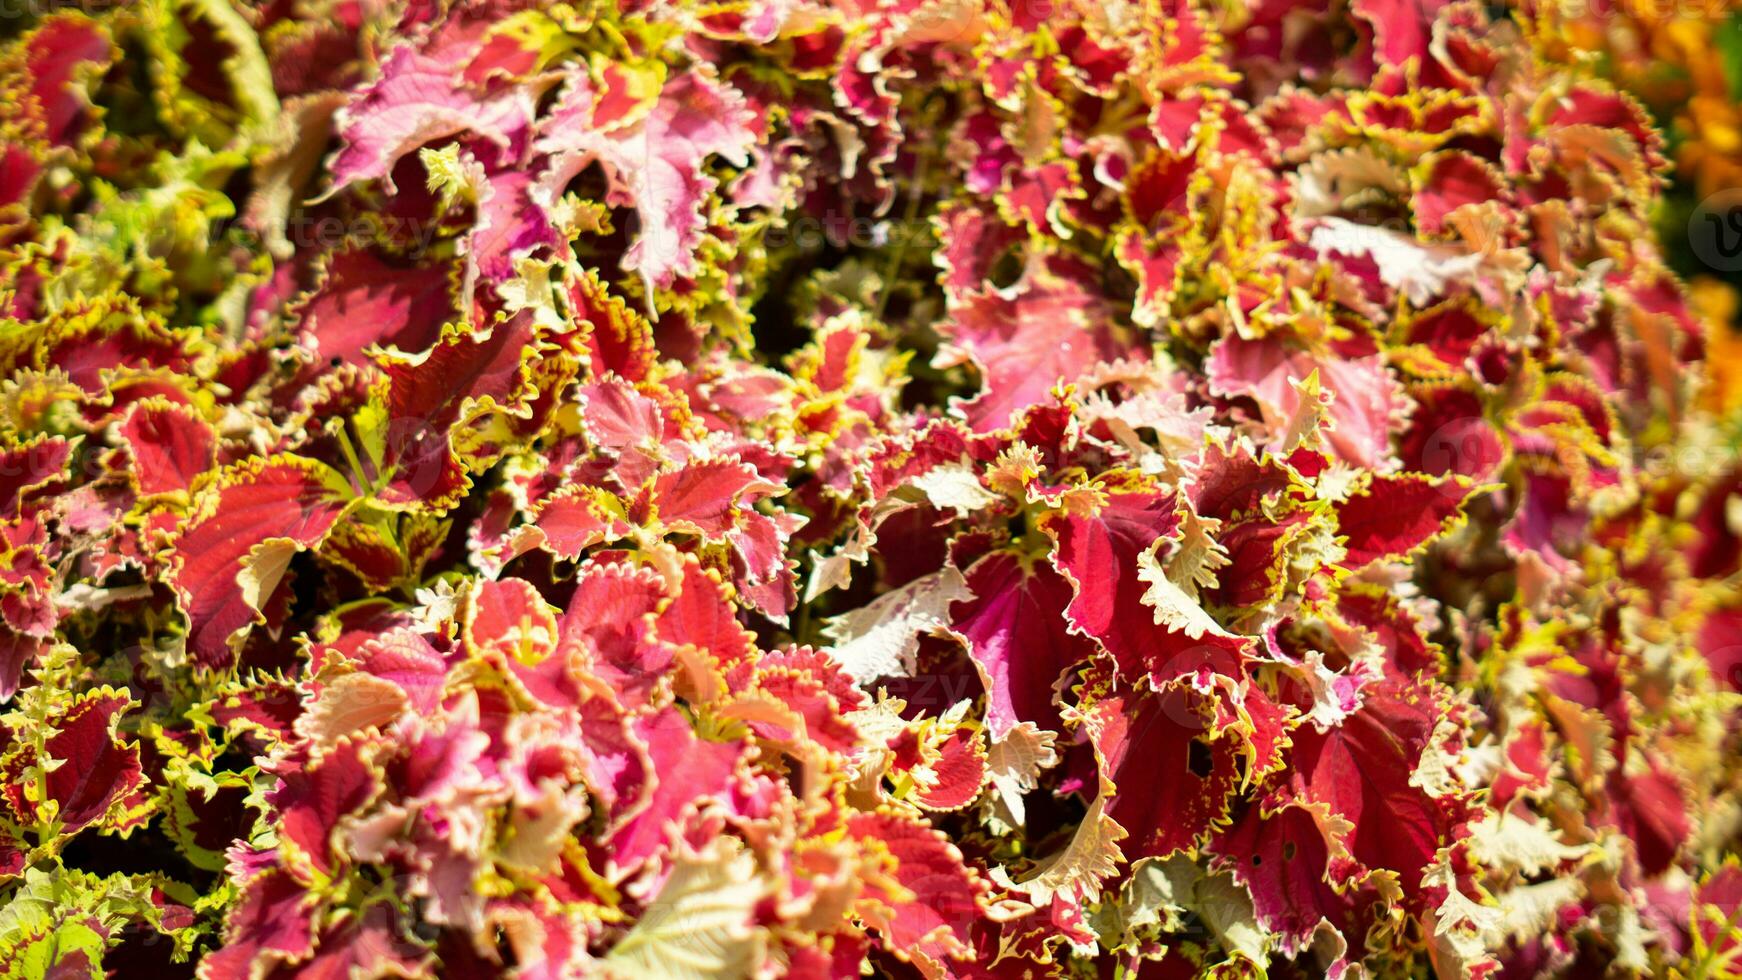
column 775, row 487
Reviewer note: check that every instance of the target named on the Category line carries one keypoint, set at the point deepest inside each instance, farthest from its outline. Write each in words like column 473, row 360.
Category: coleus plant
column 781, row 488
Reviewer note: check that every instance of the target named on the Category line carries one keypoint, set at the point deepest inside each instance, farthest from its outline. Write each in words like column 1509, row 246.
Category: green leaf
column 699, row 926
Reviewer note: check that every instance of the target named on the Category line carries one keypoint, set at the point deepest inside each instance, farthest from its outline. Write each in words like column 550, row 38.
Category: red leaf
column 1052, row 329
column 701, row 616
column 1169, row 775
column 311, row 798
column 1368, row 401
column 1098, row 552
column 1284, row 860
column 170, row 444
column 273, row 921
column 425, row 402
column 687, row 772
column 935, row 922
column 1361, row 772
column 619, row 340
column 59, row 57
column 30, row 466
column 368, row 301
column 611, row 614
column 1453, row 180
column 1391, row 516
column 286, row 497
column 653, row 164
column 512, row 619
column 578, row 517
column 94, row 769
column 417, row 99
column 710, row 496
column 960, row 772
column 1016, row 631
column 1447, row 434
column 1653, row 811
